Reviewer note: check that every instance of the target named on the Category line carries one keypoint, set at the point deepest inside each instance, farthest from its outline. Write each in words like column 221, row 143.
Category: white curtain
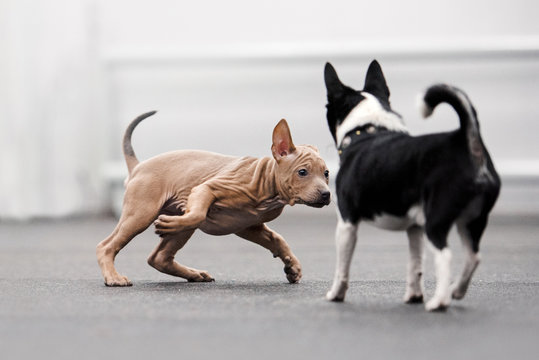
column 49, row 128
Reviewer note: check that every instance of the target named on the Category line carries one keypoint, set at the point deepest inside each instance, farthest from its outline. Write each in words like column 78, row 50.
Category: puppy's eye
column 326, row 174
column 303, row 172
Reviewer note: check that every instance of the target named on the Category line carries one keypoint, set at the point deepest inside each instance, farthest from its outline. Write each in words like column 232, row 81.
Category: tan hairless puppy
column 185, row 190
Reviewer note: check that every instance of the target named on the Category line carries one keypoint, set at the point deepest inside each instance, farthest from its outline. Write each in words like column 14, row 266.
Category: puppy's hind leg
column 130, row 225
column 140, row 208
column 414, row 279
column 162, row 258
column 470, row 235
column 345, row 239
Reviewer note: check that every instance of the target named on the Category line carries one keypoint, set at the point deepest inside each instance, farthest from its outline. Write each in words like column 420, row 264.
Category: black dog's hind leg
column 470, row 235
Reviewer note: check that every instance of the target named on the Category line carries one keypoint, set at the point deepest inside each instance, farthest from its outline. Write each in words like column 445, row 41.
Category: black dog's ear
column 375, row 82
column 334, row 86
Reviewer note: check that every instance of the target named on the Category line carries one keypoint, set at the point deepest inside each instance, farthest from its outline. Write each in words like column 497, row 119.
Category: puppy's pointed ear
column 282, row 141
column 334, row 86
column 375, row 82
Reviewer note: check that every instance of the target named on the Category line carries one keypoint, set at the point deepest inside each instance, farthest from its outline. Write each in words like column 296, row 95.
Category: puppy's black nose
column 325, row 196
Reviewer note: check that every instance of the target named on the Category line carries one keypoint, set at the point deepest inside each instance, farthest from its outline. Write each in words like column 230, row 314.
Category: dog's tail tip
column 456, row 98
column 424, row 108
column 144, row 116
column 129, row 153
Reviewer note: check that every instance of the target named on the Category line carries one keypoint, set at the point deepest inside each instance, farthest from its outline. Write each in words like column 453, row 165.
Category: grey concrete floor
column 53, row 304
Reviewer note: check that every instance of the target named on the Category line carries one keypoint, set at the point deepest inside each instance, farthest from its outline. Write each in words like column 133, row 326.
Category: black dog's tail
column 469, row 126
column 129, row 154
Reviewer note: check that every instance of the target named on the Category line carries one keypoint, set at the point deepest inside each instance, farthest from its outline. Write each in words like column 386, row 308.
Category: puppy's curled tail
column 469, row 126
column 129, row 154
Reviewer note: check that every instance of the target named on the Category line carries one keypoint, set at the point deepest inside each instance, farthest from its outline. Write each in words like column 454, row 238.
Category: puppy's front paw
column 292, row 269
column 338, row 291
column 165, row 224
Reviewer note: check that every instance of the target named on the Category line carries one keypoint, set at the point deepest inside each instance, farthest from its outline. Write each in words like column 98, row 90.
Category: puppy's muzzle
column 323, row 200
column 325, row 196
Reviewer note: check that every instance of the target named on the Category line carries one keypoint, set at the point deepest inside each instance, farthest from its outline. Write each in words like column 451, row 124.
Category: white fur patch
column 442, row 294
column 345, row 239
column 424, row 109
column 414, row 216
column 369, row 111
column 414, row 278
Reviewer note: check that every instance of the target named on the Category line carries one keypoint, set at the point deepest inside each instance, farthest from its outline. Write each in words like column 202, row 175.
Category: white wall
column 222, row 74
column 48, row 103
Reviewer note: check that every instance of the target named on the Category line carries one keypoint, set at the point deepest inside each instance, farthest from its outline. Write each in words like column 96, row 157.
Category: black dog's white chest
column 414, row 216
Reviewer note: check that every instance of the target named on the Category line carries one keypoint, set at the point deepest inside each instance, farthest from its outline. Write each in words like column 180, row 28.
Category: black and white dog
column 420, row 184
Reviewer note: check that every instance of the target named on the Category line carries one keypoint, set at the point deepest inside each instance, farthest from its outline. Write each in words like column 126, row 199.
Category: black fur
column 375, row 83
column 387, row 172
column 341, row 99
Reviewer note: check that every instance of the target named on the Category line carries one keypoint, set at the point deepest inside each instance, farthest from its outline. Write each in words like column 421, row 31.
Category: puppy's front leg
column 345, row 238
column 198, row 203
column 265, row 237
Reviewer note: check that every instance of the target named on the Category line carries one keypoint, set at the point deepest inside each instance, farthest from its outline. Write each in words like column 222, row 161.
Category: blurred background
column 74, row 73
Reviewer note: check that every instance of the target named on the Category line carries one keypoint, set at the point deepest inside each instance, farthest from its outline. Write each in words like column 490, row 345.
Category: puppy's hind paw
column 119, row 281
column 201, row 276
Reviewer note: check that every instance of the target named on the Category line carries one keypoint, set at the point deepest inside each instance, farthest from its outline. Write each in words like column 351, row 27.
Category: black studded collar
column 358, row 133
